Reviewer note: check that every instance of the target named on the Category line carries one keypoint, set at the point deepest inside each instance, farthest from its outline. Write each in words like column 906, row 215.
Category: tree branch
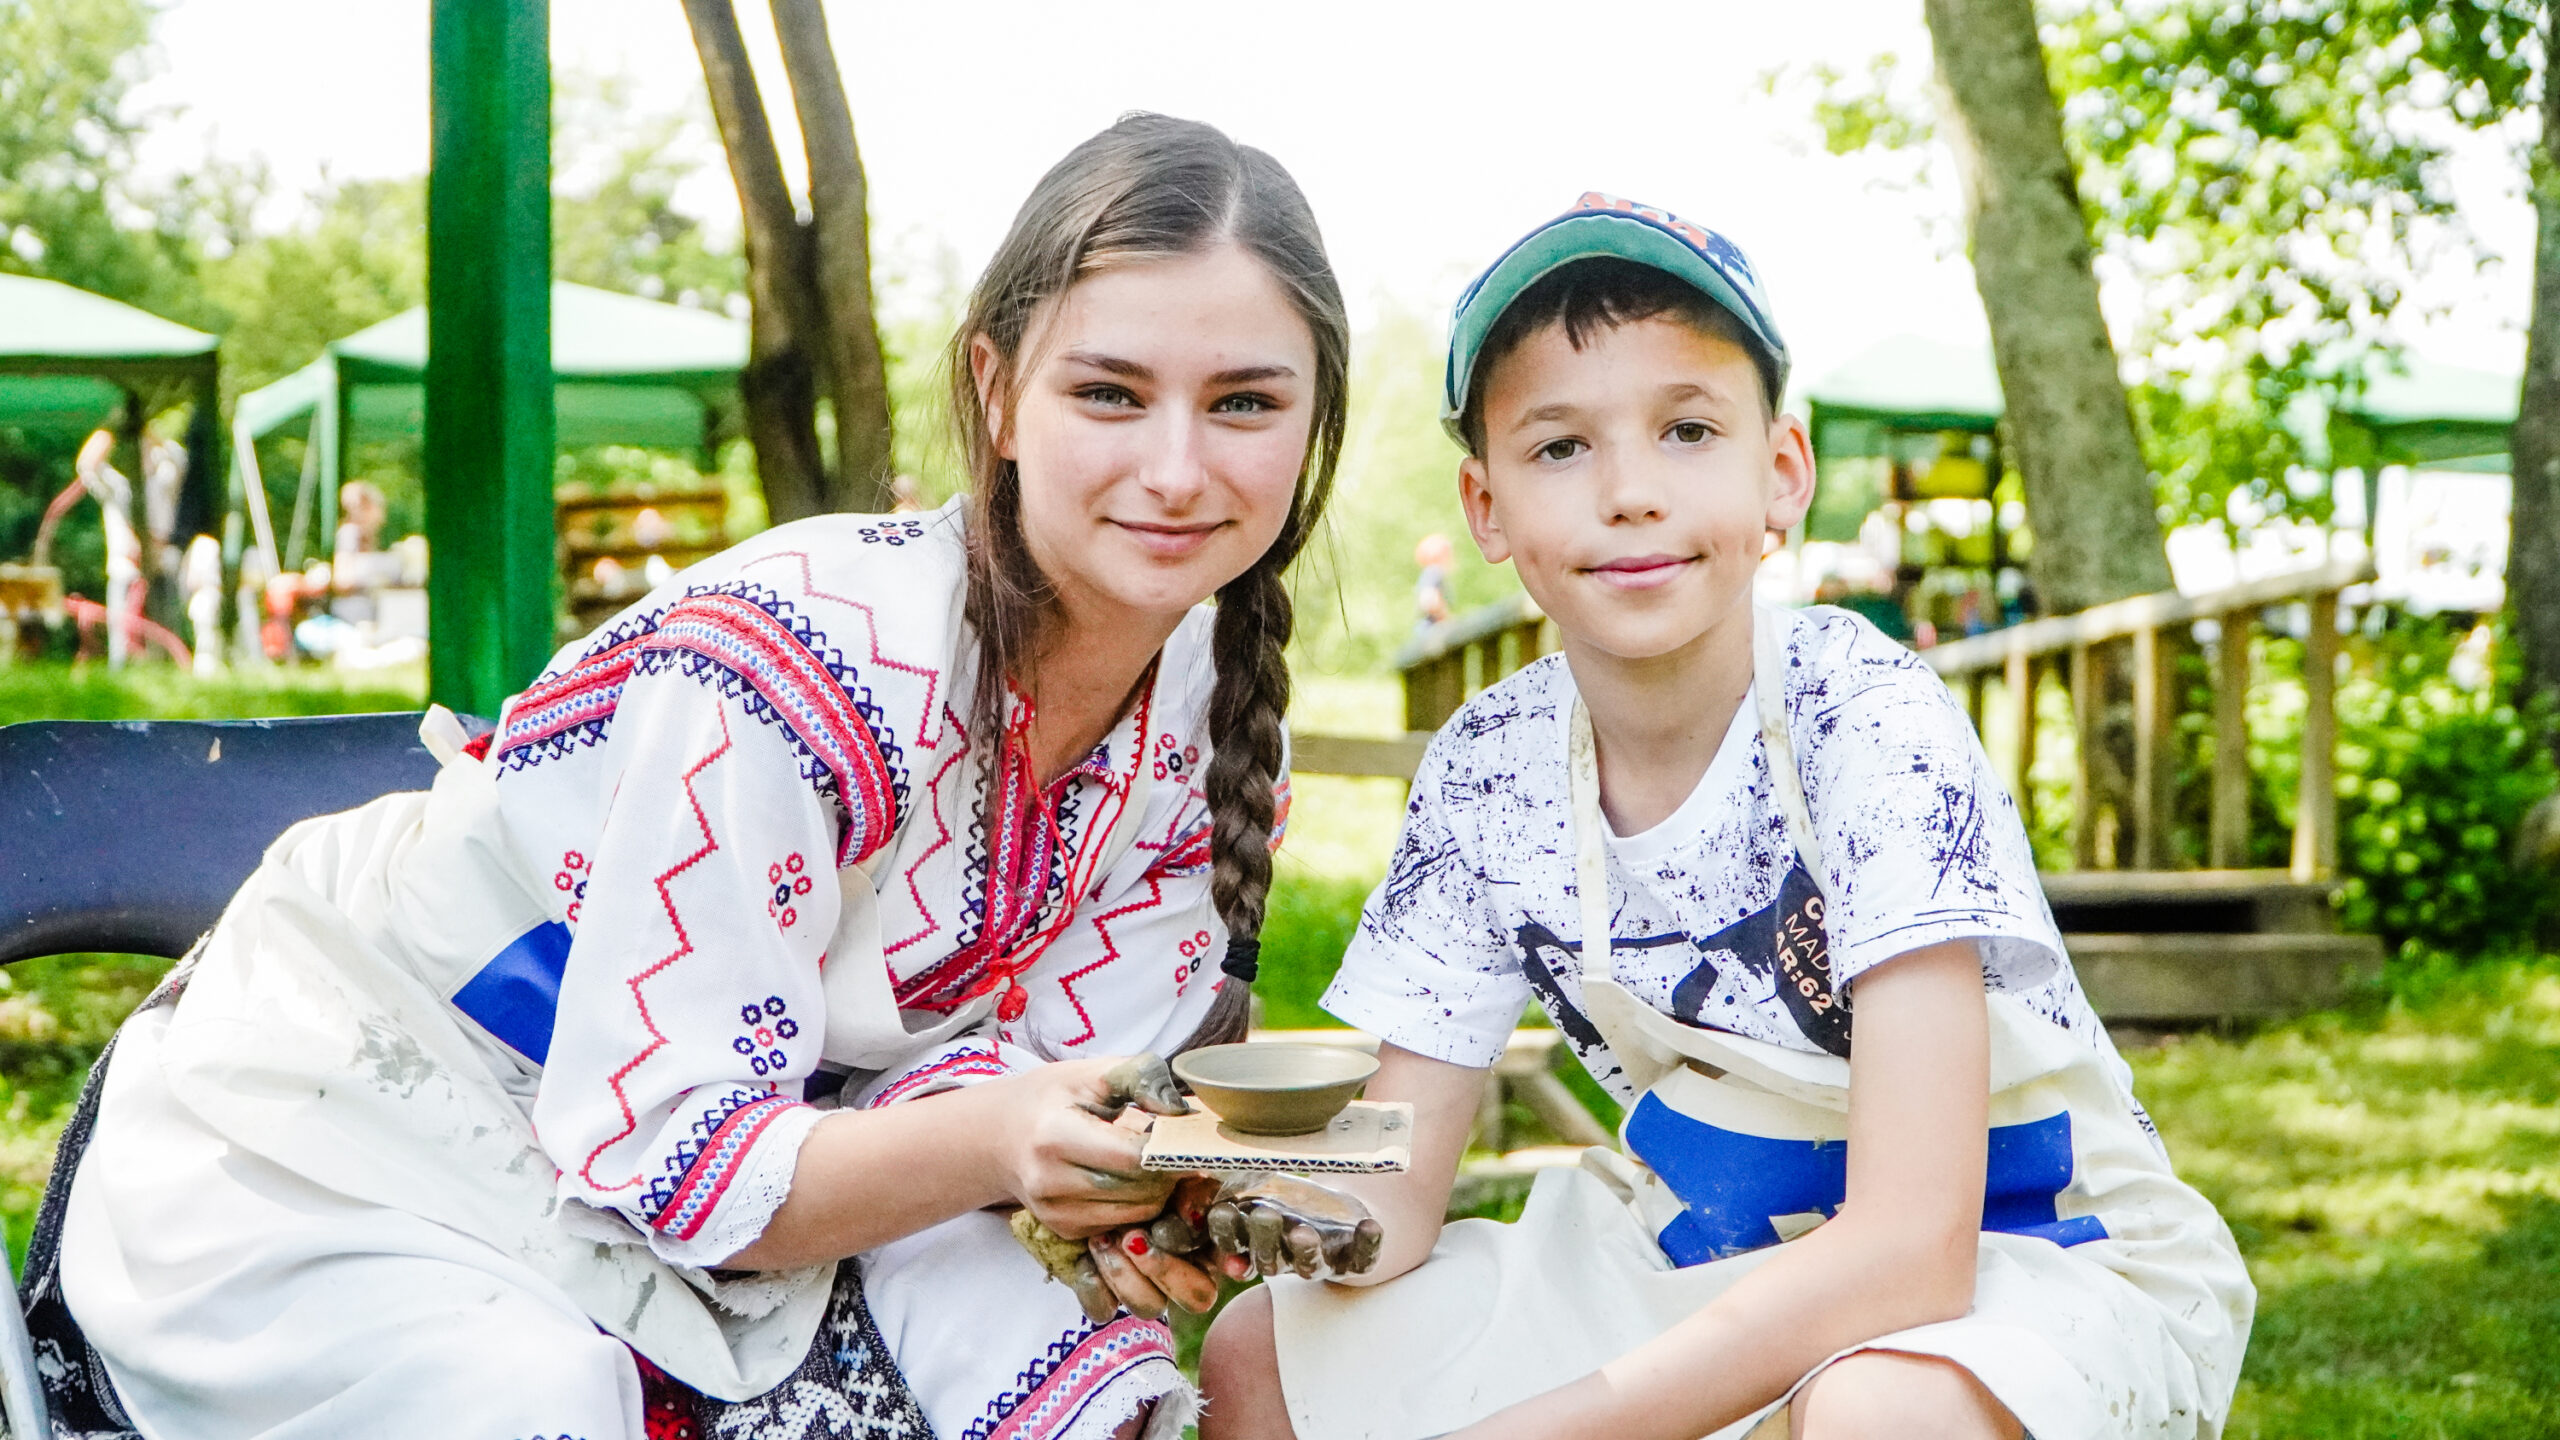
column 778, row 390
column 848, row 346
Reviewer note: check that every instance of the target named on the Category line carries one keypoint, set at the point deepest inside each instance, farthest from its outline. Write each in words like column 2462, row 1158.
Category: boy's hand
column 1287, row 1224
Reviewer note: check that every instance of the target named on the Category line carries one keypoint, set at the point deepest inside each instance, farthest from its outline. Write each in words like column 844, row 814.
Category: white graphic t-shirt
column 1715, row 921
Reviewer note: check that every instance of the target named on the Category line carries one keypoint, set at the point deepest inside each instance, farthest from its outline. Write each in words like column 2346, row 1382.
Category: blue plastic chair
column 131, row 836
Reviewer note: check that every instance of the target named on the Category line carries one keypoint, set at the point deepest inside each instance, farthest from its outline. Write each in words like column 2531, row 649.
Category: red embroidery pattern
column 871, row 621
column 1110, row 953
column 949, row 1067
column 571, row 880
column 742, row 637
column 1022, row 846
column 941, row 835
column 684, row 947
column 790, row 881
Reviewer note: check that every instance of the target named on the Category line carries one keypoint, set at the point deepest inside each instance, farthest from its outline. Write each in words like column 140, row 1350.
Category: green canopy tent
column 2428, row 417
column 68, row 359
column 1901, row 388
column 626, row 371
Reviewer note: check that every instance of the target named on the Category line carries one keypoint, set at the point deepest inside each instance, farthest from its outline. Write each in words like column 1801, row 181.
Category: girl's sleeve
column 1429, row 969
column 690, row 1010
column 1922, row 842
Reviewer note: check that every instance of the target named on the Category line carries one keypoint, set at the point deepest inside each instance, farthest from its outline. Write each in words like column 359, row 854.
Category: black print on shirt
column 1784, row 943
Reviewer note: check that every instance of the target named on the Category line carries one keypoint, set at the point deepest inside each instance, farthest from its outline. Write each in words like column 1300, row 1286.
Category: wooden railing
column 2011, row 667
column 2074, row 649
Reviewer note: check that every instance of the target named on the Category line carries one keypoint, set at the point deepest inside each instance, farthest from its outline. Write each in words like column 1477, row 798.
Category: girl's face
column 1159, row 431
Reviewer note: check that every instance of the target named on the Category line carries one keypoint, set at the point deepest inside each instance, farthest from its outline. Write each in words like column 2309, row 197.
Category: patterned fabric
column 1479, row 913
column 677, row 785
column 848, row 1388
column 1056, row 1389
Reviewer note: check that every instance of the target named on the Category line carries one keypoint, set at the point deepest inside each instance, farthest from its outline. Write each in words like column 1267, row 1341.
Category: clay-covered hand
column 1287, row 1224
column 1145, row 1081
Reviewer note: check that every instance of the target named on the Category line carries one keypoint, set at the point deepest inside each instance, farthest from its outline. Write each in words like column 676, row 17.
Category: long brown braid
column 1151, row 187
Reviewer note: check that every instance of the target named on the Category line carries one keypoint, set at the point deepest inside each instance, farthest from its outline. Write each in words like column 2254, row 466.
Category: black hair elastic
column 1244, row 958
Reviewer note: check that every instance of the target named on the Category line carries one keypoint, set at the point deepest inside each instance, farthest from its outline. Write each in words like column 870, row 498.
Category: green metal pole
column 489, row 422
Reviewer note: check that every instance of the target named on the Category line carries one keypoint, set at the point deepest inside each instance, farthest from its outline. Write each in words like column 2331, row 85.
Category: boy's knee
column 1886, row 1395
column 1240, row 1374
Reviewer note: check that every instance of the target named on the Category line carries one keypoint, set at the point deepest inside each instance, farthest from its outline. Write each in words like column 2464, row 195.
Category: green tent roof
column 2410, row 412
column 2417, row 412
column 1906, row 383
column 629, row 371
column 67, row 357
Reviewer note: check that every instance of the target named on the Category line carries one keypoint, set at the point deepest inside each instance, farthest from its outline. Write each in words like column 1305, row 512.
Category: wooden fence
column 2147, row 632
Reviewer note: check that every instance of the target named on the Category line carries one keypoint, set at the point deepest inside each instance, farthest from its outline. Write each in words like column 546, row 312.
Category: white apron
column 2110, row 1299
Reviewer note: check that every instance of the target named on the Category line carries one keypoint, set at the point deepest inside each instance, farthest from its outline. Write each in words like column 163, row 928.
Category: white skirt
column 313, row 1207
column 1501, row 1313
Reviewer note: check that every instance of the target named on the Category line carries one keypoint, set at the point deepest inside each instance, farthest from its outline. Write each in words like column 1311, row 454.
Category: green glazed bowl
column 1277, row 1087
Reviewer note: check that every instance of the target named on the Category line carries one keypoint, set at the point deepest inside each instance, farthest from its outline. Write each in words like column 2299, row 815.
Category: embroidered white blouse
column 745, row 777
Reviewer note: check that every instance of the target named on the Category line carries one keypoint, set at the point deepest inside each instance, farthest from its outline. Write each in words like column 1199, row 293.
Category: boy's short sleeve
column 1921, row 841
column 1430, row 969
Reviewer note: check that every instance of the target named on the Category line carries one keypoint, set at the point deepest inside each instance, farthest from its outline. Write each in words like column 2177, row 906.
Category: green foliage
column 358, row 258
column 2433, row 782
column 2266, row 171
column 69, row 210
column 614, row 219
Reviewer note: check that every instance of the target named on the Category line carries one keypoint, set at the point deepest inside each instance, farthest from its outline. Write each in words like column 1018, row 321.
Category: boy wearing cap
column 1714, row 840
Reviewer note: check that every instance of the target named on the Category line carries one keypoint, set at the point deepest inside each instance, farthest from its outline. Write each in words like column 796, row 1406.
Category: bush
column 2433, row 781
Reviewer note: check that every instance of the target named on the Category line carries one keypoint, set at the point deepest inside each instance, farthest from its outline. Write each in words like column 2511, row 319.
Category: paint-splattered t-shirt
column 1479, row 912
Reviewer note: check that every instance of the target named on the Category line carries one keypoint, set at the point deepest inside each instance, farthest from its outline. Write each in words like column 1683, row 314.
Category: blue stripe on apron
column 516, row 996
column 1732, row 1184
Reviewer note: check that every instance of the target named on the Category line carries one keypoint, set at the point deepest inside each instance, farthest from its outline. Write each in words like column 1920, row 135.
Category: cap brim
column 1603, row 234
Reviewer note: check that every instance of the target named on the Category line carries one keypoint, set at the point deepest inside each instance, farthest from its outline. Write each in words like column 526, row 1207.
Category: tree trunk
column 847, row 348
column 2089, row 495
column 779, row 388
column 2533, row 536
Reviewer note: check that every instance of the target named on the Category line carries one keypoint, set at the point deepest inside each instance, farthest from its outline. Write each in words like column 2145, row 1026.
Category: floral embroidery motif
column 1175, row 760
column 891, row 532
column 768, row 1028
column 790, row 881
column 571, row 880
column 1195, row 953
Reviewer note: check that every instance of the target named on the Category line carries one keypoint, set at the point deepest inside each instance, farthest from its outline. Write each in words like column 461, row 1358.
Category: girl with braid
column 671, row 1066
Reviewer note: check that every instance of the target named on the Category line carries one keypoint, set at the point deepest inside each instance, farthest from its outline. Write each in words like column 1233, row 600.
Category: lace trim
column 759, row 1190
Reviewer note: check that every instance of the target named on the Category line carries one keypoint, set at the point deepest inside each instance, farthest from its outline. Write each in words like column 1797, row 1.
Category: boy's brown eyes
column 1690, row 432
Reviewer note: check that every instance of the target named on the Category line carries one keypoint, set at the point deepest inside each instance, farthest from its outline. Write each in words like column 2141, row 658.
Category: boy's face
column 1631, row 482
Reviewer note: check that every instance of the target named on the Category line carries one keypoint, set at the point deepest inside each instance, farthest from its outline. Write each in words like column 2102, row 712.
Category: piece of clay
column 1145, row 1081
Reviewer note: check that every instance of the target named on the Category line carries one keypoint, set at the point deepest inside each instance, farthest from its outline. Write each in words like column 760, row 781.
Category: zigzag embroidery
column 942, row 832
column 684, row 947
column 1055, row 1386
column 755, row 648
column 871, row 621
column 1110, row 952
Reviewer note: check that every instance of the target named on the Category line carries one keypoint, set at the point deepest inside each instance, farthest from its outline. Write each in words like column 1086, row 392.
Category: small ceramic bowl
column 1277, row 1087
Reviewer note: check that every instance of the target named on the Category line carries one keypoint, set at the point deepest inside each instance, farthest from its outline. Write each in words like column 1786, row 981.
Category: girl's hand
column 1076, row 1172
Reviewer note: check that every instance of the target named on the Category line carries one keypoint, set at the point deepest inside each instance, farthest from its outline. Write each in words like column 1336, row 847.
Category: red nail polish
column 1137, row 1242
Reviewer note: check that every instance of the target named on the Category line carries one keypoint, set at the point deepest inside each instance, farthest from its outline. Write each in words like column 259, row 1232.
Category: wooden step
column 2158, row 979
column 2231, row 902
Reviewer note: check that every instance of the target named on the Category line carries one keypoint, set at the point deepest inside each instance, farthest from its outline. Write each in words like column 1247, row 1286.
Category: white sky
column 1427, row 133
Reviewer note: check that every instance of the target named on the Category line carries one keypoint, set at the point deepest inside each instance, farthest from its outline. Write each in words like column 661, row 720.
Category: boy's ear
column 984, row 366
column 1791, row 468
column 1476, row 498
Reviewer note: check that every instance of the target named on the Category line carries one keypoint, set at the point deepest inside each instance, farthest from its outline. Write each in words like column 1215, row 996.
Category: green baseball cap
column 1603, row 225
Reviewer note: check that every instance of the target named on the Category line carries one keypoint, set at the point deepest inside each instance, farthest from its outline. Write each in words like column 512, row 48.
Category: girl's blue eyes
column 1117, row 398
